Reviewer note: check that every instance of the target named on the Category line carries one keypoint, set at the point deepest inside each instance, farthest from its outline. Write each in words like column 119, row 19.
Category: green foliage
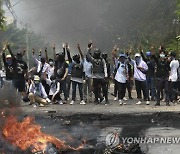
column 20, row 39
column 178, row 8
column 2, row 21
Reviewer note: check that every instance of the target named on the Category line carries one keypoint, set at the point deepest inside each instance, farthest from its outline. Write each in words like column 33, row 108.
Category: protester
column 150, row 75
column 37, row 93
column 20, row 71
column 48, row 79
column 61, row 71
column 54, row 93
column 66, row 50
column 8, row 64
column 173, row 77
column 140, row 70
column 162, row 74
column 99, row 75
column 121, row 77
column 88, row 84
column 77, row 78
column 105, row 57
column 114, row 58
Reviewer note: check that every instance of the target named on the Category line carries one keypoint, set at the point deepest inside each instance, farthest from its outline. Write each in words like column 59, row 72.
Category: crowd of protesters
column 156, row 75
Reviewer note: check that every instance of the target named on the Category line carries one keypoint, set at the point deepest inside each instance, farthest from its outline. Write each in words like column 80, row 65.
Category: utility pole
column 1, row 4
column 27, row 45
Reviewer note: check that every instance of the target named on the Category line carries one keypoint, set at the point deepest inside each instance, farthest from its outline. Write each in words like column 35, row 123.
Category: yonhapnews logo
column 112, row 139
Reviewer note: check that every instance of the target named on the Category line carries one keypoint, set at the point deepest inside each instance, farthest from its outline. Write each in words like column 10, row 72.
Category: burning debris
column 122, row 148
column 28, row 135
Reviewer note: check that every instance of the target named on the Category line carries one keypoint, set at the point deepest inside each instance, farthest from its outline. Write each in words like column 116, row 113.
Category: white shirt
column 138, row 74
column 174, row 65
column 54, row 87
column 39, row 65
column 121, row 73
column 50, row 71
column 87, row 68
column 38, row 91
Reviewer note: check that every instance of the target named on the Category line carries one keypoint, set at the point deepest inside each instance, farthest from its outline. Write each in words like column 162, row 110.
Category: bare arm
column 80, row 51
column 54, row 52
column 46, row 55
column 23, row 52
column 34, row 57
column 10, row 51
column 69, row 55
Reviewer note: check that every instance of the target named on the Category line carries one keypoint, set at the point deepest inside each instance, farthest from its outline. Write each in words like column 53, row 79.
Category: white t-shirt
column 121, row 73
column 174, row 65
column 50, row 71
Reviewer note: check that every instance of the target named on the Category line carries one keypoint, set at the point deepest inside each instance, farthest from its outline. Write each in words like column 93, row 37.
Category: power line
column 14, row 14
column 14, row 4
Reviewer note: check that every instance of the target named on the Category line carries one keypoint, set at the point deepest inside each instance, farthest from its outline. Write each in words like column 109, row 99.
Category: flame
column 27, row 134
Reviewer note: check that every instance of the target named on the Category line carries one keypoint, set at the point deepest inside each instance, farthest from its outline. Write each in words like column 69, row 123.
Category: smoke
column 78, row 21
column 9, row 103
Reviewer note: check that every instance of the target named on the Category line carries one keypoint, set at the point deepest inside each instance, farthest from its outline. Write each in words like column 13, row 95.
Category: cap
column 148, row 53
column 8, row 56
column 36, row 78
column 122, row 55
column 162, row 55
column 137, row 55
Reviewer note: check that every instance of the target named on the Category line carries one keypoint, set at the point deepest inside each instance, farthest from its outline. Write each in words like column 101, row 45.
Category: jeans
column 99, row 84
column 64, row 88
column 129, row 86
column 87, row 88
column 162, row 84
column 115, row 88
column 68, row 84
column 151, row 87
column 121, row 90
column 80, row 86
column 1, row 82
column 172, row 91
column 141, row 86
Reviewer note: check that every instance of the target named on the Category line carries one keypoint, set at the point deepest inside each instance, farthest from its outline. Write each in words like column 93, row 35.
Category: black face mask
column 97, row 55
column 19, row 57
column 104, row 56
column 76, row 58
column 43, row 60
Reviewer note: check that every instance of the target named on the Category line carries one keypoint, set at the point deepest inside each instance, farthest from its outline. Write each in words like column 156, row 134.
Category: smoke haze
column 76, row 21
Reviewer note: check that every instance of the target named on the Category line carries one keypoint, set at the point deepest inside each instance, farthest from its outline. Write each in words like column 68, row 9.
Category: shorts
column 19, row 84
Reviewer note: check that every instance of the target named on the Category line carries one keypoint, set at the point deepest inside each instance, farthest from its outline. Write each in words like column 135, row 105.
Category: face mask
column 137, row 59
column 61, row 58
column 51, row 63
column 36, row 83
column 53, row 81
column 19, row 58
column 9, row 61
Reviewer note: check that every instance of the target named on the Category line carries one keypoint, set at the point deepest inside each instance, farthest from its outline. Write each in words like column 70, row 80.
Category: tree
column 1, row 16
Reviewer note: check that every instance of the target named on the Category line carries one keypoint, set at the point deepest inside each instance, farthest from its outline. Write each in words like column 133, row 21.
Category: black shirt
column 20, row 68
column 163, row 68
column 8, row 68
column 60, row 69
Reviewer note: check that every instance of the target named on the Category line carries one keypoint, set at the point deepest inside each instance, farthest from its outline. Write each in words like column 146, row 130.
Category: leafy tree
column 2, row 21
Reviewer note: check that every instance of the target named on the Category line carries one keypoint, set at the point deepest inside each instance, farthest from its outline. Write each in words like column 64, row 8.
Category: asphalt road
column 112, row 108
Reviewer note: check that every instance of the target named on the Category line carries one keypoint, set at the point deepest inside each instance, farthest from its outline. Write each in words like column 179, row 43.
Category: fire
column 27, row 134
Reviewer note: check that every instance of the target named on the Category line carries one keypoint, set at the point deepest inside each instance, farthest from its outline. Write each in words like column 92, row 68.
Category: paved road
column 112, row 108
